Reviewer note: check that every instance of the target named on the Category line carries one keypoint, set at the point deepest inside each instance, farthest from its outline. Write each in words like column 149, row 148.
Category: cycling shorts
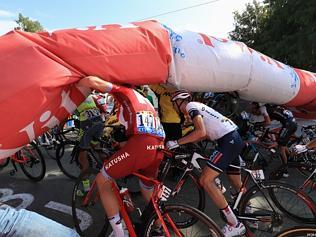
column 140, row 154
column 286, row 132
column 229, row 149
column 90, row 129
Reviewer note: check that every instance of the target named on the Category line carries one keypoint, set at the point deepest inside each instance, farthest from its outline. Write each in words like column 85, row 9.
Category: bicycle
column 31, row 161
column 303, row 174
column 298, row 232
column 67, row 154
column 274, row 207
column 155, row 212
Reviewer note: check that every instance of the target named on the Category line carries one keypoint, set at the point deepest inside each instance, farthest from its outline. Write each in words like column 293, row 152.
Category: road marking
column 84, row 217
column 8, row 195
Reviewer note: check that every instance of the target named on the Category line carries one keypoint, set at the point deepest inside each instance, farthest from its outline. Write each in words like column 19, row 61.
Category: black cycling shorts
column 229, row 149
column 286, row 132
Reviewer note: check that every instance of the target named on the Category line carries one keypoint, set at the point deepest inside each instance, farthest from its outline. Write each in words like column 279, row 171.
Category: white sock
column 230, row 216
column 117, row 226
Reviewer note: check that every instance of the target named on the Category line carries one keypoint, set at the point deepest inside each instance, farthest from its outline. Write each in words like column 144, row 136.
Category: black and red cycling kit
column 285, row 117
column 145, row 134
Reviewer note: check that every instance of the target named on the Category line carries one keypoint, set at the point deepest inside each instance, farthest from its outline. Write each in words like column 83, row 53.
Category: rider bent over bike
column 145, row 134
column 210, row 124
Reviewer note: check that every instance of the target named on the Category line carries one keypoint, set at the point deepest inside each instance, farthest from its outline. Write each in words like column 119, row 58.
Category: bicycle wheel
column 96, row 223
column 186, row 190
column 297, row 205
column 67, row 159
column 203, row 226
column 298, row 232
column 225, row 103
column 259, row 213
column 34, row 167
column 298, row 174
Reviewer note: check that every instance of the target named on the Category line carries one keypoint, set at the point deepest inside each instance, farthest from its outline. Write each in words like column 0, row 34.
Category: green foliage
column 28, row 25
column 286, row 30
column 250, row 23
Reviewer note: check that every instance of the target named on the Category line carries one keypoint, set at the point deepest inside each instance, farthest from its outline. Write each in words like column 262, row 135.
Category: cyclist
column 210, row 124
column 286, row 118
column 170, row 120
column 145, row 135
column 91, row 126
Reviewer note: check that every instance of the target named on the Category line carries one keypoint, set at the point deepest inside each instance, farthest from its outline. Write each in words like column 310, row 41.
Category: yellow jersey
column 166, row 110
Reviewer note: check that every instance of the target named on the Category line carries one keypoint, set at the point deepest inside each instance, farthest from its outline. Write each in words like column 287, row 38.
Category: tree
column 250, row 23
column 26, row 24
column 286, row 30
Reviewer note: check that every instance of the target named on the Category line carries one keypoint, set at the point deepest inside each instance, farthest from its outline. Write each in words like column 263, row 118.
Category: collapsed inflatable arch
column 39, row 72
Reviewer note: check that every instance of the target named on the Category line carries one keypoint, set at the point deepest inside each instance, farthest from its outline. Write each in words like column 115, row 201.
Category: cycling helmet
column 181, row 95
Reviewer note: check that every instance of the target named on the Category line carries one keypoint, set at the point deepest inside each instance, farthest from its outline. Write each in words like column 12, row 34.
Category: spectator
column 24, row 223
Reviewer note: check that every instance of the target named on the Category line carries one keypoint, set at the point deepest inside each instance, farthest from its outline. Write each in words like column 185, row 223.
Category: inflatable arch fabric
column 39, row 72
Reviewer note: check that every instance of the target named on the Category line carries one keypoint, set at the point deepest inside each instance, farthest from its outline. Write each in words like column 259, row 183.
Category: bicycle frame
column 309, row 181
column 159, row 194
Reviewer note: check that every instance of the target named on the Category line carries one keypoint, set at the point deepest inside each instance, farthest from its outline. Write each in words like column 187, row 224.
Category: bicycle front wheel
column 172, row 214
column 87, row 211
column 298, row 232
column 294, row 203
column 67, row 159
column 34, row 166
column 261, row 215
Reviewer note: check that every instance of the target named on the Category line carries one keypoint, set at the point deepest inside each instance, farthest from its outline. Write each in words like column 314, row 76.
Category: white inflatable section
column 205, row 63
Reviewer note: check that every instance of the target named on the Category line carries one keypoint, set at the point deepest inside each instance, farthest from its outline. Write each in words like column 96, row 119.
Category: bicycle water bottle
column 127, row 201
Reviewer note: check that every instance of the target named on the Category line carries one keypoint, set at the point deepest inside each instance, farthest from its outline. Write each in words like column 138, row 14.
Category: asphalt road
column 51, row 197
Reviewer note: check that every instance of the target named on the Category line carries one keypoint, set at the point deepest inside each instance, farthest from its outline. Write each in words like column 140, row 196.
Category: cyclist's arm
column 198, row 133
column 96, row 83
column 263, row 111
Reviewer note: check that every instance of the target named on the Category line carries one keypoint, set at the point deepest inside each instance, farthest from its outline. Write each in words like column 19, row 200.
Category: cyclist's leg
column 284, row 137
column 229, row 148
column 151, row 171
column 88, row 130
column 137, row 154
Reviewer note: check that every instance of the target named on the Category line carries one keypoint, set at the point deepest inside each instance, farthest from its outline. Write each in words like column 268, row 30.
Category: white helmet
column 181, row 95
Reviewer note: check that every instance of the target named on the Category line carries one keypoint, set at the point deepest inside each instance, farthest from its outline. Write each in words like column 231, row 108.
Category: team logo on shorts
column 116, row 160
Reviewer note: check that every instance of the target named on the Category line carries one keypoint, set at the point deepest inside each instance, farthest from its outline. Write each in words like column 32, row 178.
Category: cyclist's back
column 215, row 123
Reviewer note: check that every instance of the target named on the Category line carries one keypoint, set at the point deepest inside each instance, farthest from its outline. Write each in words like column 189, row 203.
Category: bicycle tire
column 188, row 184
column 5, row 163
column 295, row 215
column 67, row 159
column 298, row 173
column 94, row 209
column 35, row 157
column 261, row 216
column 210, row 227
column 298, row 232
column 225, row 103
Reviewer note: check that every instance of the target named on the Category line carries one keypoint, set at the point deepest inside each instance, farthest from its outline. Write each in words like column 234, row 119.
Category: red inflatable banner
column 38, row 72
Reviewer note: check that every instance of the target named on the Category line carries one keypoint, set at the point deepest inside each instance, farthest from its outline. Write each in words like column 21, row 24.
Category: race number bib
column 91, row 113
column 148, row 123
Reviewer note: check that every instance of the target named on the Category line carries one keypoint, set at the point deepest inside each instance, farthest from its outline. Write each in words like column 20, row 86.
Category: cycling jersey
column 136, row 113
column 278, row 113
column 166, row 110
column 216, row 124
column 88, row 109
